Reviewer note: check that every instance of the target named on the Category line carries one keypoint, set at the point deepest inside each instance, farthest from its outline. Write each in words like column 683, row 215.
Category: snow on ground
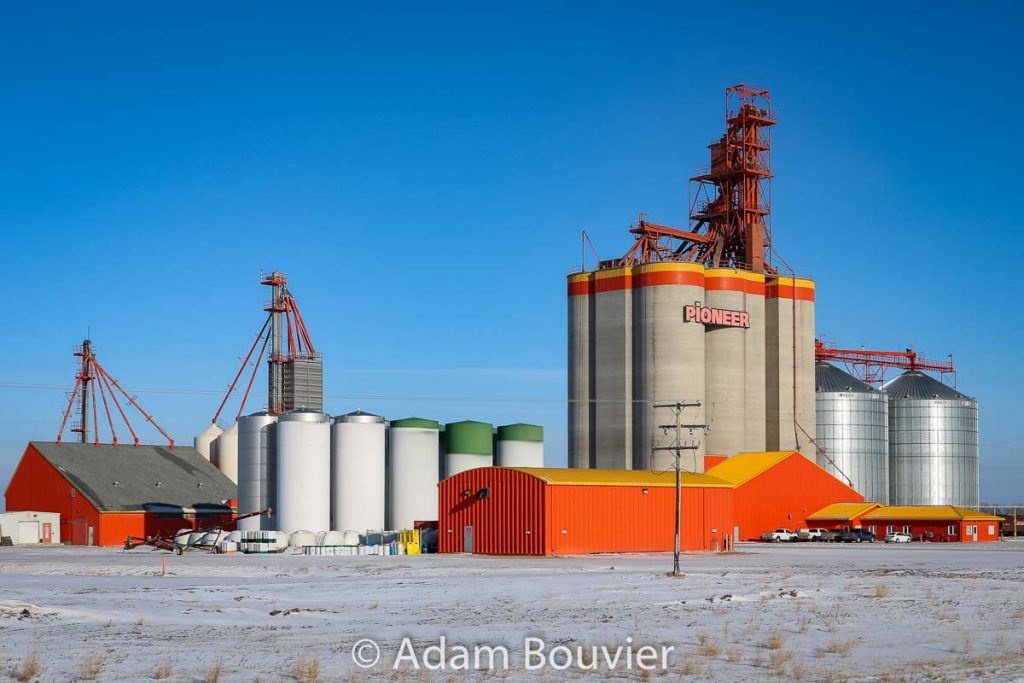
column 767, row 612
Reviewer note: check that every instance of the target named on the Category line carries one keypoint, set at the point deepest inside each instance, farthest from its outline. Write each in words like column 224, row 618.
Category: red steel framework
column 90, row 378
column 871, row 366
column 299, row 343
column 730, row 199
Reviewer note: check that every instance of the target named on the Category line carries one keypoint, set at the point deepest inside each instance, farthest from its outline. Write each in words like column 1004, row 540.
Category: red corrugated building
column 547, row 511
column 937, row 523
column 778, row 489
column 106, row 493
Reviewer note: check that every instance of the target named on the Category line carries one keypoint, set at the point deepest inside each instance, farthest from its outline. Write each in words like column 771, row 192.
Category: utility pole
column 677, row 447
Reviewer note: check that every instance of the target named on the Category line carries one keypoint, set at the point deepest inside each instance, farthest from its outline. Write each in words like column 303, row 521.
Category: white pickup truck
column 779, row 535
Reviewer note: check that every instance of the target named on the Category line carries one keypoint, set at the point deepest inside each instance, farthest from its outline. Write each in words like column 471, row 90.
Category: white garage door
column 28, row 532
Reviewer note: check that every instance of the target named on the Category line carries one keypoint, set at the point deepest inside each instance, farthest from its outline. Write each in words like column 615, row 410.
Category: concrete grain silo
column 789, row 364
column 933, row 443
column 853, row 430
column 580, row 409
column 668, row 358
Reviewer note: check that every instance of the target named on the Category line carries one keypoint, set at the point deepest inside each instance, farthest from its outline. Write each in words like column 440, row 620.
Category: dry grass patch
column 839, row 647
column 710, row 649
column 779, row 660
column 163, row 671
column 775, row 641
column 734, row 655
column 90, row 668
column 307, row 670
column 881, row 592
column 691, row 667
column 214, row 673
column 27, row 669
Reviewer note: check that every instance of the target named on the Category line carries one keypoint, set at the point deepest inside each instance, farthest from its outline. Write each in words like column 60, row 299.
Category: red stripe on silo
column 733, row 284
column 670, row 277
column 777, row 291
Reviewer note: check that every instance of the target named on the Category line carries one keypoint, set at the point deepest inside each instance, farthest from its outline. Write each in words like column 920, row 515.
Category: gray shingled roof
column 914, row 384
column 129, row 478
column 829, row 378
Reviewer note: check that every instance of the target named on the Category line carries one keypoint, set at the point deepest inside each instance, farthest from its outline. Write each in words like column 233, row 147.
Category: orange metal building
column 936, row 523
column 547, row 511
column 106, row 493
column 778, row 489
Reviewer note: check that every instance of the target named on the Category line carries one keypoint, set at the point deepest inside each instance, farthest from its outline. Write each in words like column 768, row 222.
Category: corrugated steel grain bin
column 548, row 511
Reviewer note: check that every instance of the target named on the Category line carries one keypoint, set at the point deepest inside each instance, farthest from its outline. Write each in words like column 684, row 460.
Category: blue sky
column 422, row 175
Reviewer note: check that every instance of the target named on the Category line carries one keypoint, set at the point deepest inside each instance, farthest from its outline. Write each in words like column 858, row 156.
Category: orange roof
column 931, row 513
column 739, row 469
column 562, row 476
column 842, row 512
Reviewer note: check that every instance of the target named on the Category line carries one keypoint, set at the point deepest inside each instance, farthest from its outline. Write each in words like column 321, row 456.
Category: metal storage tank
column 668, row 356
column 611, row 357
column 580, row 411
column 303, row 471
column 520, row 445
column 468, row 445
column 227, row 452
column 732, row 383
column 933, row 443
column 257, row 469
column 204, row 441
column 412, row 472
column 789, row 364
column 853, row 428
column 357, row 472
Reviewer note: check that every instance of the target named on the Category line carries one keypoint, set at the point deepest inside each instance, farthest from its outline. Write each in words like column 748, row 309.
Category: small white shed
column 30, row 527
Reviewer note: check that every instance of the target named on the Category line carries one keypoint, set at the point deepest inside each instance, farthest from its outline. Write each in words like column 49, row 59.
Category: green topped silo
column 520, row 445
column 469, row 444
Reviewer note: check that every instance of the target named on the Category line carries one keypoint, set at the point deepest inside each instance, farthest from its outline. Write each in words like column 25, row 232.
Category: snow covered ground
column 768, row 612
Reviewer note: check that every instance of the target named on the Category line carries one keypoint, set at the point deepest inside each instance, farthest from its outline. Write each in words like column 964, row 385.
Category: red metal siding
column 508, row 521
column 939, row 530
column 38, row 485
column 621, row 519
column 785, row 494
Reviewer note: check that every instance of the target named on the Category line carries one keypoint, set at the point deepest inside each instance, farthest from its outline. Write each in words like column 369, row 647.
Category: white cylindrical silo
column 227, row 452
column 412, row 472
column 303, row 471
column 357, row 472
column 204, row 441
column 256, row 471
column 520, row 445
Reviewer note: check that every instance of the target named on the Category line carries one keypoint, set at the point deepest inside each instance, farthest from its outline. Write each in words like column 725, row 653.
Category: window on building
column 991, row 529
column 890, row 529
column 952, row 530
column 906, row 528
column 872, row 529
column 72, row 493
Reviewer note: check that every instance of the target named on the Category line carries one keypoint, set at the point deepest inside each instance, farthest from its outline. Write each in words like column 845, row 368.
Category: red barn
column 778, row 489
column 106, row 493
column 548, row 511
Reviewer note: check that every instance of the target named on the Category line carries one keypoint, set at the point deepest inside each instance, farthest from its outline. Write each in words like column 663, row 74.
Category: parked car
column 810, row 534
column 779, row 535
column 854, row 536
column 898, row 537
